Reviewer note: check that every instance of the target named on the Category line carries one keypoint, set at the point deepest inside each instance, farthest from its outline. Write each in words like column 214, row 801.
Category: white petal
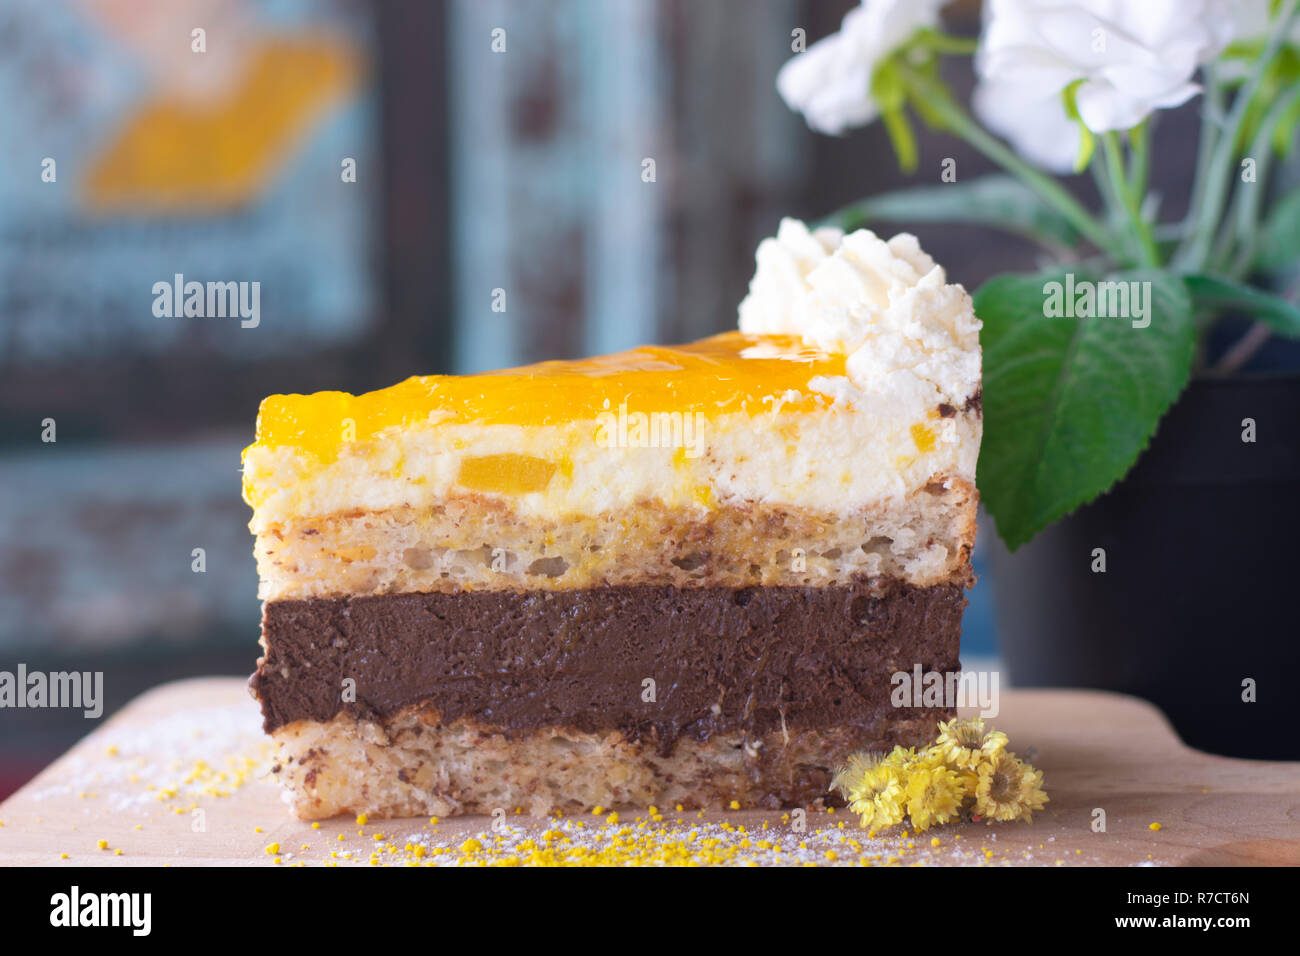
column 1035, row 125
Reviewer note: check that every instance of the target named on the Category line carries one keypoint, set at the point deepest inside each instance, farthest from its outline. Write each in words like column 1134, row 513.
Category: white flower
column 830, row 82
column 1033, row 121
column 1129, row 59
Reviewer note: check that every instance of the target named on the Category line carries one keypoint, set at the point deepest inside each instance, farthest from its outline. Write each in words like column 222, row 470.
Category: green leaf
column 1279, row 246
column 997, row 200
column 1215, row 293
column 1070, row 403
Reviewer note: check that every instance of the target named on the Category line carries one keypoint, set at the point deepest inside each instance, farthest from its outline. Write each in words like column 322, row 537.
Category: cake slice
column 667, row 576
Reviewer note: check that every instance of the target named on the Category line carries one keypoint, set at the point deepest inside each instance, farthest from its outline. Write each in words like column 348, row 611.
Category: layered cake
column 668, row 576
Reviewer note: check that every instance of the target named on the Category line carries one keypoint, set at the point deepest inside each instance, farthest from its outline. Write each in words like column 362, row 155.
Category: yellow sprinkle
column 257, row 829
column 361, row 819
column 273, row 848
column 315, row 826
column 1154, row 826
column 597, row 810
column 63, row 856
column 935, row 841
column 102, row 844
column 734, row 805
column 612, row 818
column 117, row 852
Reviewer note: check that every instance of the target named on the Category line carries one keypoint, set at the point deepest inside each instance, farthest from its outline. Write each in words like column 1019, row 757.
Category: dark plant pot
column 1201, row 588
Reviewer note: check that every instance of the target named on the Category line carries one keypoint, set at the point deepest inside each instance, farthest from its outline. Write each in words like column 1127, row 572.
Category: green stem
column 1196, row 250
column 1242, row 226
column 1211, row 120
column 957, row 121
column 1106, row 190
column 1132, row 203
column 1139, row 141
column 947, row 43
column 1115, row 210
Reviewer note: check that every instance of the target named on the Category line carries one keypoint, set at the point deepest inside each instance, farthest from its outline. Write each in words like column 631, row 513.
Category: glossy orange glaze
column 726, row 373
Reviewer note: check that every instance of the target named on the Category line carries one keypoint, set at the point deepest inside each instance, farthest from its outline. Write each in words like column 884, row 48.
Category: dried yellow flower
column 1008, row 789
column 873, row 788
column 965, row 744
column 934, row 795
column 848, row 776
column 901, row 758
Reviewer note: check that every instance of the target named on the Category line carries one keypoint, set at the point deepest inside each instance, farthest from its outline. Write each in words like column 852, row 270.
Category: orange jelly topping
column 726, row 373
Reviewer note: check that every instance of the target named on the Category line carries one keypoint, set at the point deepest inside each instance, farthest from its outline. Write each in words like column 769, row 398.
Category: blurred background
column 515, row 168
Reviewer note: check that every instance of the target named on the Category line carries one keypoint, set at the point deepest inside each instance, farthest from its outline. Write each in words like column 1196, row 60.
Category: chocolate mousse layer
column 653, row 663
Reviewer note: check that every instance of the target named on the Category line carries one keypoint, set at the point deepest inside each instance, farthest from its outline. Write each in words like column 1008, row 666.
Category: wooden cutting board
column 180, row 777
